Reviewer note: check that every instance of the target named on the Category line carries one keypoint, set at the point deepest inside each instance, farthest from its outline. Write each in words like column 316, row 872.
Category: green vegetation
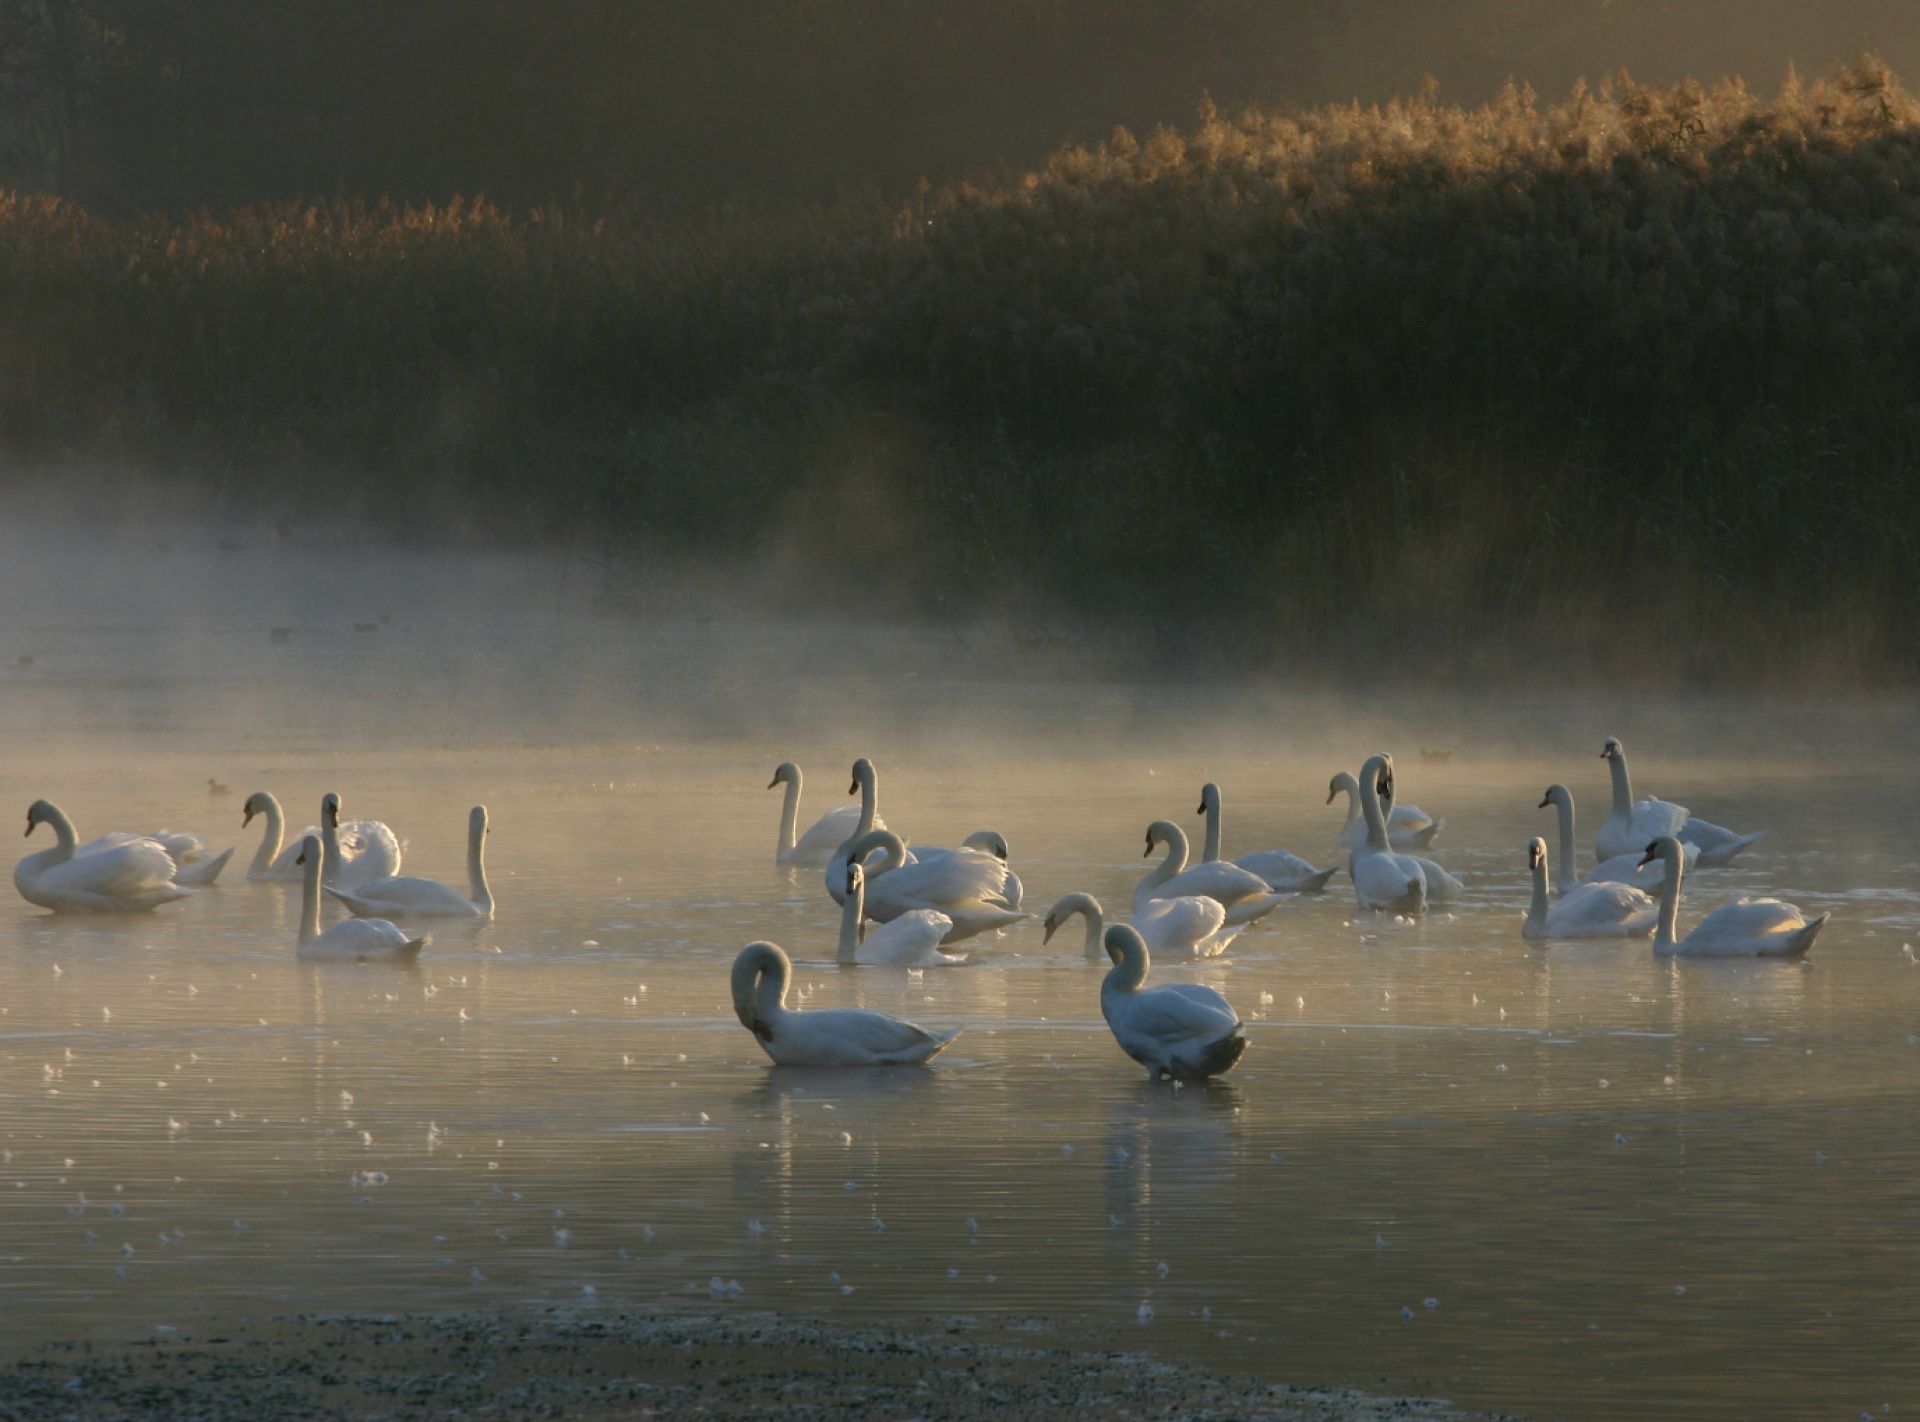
column 1635, row 376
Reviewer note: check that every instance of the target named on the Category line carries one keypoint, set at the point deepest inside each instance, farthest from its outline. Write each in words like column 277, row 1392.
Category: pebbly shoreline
column 607, row 1363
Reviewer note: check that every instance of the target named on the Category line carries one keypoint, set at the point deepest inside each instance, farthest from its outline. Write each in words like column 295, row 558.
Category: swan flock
column 904, row 906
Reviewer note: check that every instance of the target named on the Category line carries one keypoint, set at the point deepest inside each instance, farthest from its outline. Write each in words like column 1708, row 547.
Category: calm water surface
column 1564, row 1179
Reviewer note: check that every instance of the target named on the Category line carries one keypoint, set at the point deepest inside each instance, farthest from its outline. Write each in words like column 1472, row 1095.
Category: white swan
column 826, row 834
column 831, row 1037
column 866, row 780
column 1745, row 928
column 1633, row 824
column 194, row 862
column 358, row 853
column 966, row 885
column 1242, row 893
column 131, row 877
column 987, row 842
column 1189, row 927
column 272, row 860
column 1186, row 1031
column 404, row 896
column 1621, row 869
column 1285, row 873
column 1588, row 910
column 1383, row 881
column 1408, row 826
column 356, row 939
column 910, row 941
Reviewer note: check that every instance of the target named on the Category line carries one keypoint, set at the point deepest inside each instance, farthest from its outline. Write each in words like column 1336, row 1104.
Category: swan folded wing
column 1175, row 1014
column 829, row 832
column 877, row 1035
column 1619, row 907
column 403, row 894
column 964, row 876
column 1747, row 921
column 1277, row 866
column 1180, row 925
column 1216, row 879
column 362, row 938
column 1630, row 869
column 1655, row 818
column 121, row 871
column 1388, row 881
column 911, row 940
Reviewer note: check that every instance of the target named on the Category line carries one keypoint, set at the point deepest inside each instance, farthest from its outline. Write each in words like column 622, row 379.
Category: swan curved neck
column 479, row 891
column 1175, row 839
column 851, row 912
column 887, row 840
column 310, row 894
column 63, row 832
column 1563, row 809
column 1211, row 851
column 1537, row 908
column 789, row 815
column 1622, row 784
column 1668, row 931
column 1130, row 972
column 270, row 837
column 1370, row 805
column 760, row 977
column 869, row 798
column 1346, row 782
column 1088, row 907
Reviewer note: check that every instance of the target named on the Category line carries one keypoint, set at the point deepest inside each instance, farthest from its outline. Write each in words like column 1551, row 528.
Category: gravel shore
column 606, row 1363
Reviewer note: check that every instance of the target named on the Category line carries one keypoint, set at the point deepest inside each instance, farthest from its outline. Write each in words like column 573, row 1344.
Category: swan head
column 1662, row 846
column 330, row 810
column 1380, row 767
column 309, row 849
column 988, row 841
column 477, row 821
column 1536, row 852
column 1163, row 832
column 862, row 775
column 1210, row 798
column 1340, row 781
column 1556, row 795
column 256, row 805
column 785, row 773
column 856, row 877
column 1612, row 750
column 40, row 812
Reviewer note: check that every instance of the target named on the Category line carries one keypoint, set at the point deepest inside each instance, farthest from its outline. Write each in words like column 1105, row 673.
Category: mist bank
column 1621, row 385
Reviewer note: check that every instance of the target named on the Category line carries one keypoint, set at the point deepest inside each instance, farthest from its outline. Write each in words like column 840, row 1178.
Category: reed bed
column 1633, row 376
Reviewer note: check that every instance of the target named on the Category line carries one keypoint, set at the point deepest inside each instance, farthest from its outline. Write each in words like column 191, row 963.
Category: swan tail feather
column 1802, row 943
column 205, row 872
column 1424, row 839
column 1318, row 883
column 1721, row 853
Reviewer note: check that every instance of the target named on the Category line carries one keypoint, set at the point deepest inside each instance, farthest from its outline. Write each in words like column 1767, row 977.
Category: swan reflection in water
column 1171, row 1147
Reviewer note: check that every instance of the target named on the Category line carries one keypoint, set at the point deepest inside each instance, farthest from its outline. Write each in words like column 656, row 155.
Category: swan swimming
column 1242, row 893
column 1408, row 826
column 405, row 896
column 826, row 834
column 1632, row 823
column 1285, row 873
column 1745, row 928
column 910, row 941
column 1383, row 881
column 351, row 939
column 1587, row 910
column 356, row 841
column 1621, row 869
column 1190, row 927
column 828, row 1037
column 129, row 877
column 866, row 780
column 1186, row 1031
column 966, row 885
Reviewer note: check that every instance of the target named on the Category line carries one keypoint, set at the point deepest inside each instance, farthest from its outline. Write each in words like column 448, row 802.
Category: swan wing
column 1627, row 869
column 1406, row 819
column 1216, row 879
column 1278, row 868
column 1170, row 1016
column 402, row 896
column 1601, row 910
column 133, row 869
column 1389, row 881
column 909, row 941
column 828, row 833
column 1182, row 926
column 359, row 938
column 1745, row 925
column 851, row 1036
column 1715, row 845
column 962, row 877
column 368, row 851
column 1442, row 887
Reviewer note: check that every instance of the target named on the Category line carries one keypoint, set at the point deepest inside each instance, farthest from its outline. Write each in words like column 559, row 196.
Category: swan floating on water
column 1633, row 824
column 1745, row 928
column 826, row 834
column 1408, row 826
column 351, row 939
column 194, row 862
column 1621, row 869
column 1193, row 926
column 1587, row 910
column 1284, row 872
column 1383, row 881
column 966, row 885
column 910, row 941
column 127, row 877
column 828, row 1037
column 1243, row 894
column 404, row 896
column 1186, row 1031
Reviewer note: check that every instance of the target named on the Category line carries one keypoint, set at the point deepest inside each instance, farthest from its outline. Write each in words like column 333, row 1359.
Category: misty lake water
column 1563, row 1179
